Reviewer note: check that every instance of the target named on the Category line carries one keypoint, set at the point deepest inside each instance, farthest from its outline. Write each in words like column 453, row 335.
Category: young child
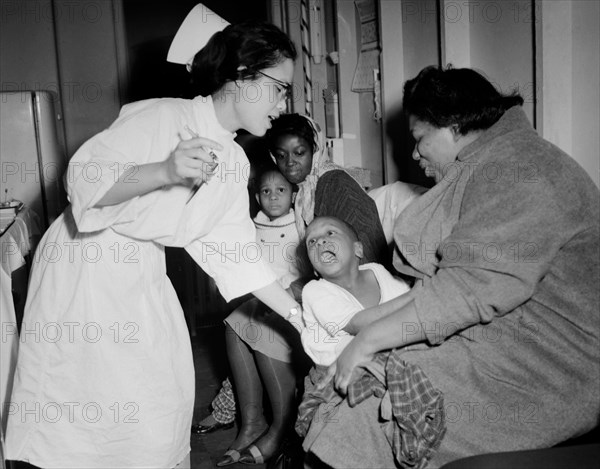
column 278, row 239
column 344, row 289
column 277, row 236
column 276, row 231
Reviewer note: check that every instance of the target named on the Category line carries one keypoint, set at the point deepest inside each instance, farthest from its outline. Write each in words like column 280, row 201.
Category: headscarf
column 304, row 206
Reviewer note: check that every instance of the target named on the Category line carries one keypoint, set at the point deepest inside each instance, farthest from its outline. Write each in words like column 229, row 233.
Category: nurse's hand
column 191, row 159
column 341, row 371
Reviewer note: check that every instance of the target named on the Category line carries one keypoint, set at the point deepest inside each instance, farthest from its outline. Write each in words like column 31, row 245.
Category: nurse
column 105, row 377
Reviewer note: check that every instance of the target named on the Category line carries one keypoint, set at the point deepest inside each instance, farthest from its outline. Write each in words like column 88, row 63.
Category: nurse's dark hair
column 239, row 52
column 458, row 97
column 291, row 124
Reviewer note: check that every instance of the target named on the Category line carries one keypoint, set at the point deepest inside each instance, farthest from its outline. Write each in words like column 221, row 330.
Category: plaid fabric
column 370, row 382
column 223, row 405
column 417, row 408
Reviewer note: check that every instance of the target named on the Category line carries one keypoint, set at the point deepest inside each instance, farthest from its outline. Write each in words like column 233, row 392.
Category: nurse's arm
column 134, row 182
column 189, row 160
column 280, row 301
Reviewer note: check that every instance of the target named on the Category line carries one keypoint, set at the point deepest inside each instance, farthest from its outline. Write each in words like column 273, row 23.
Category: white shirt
column 278, row 240
column 327, row 308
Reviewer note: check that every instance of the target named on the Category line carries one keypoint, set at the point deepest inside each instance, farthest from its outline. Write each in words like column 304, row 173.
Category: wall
column 69, row 48
column 32, row 29
column 97, row 55
column 586, row 86
column 495, row 38
column 502, row 46
column 545, row 50
column 319, row 68
column 349, row 101
column 420, row 26
column 87, row 61
column 76, row 49
column 362, row 135
column 569, row 72
column 360, row 140
column 150, row 26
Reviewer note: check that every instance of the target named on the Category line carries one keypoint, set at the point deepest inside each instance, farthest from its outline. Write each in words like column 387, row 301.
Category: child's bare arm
column 370, row 315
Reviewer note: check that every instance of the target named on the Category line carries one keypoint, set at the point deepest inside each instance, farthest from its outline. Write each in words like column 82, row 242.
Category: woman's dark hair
column 291, row 124
column 252, row 45
column 456, row 97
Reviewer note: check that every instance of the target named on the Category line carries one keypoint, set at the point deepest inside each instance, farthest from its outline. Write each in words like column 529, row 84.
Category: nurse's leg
column 248, row 389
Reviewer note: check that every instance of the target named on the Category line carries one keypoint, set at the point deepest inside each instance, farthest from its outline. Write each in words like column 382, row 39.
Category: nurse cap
column 194, row 33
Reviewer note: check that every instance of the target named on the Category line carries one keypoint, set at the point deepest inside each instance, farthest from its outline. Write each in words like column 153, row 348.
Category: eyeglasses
column 284, row 89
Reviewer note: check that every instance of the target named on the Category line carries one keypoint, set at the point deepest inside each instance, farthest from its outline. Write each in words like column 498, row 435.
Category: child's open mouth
column 327, row 257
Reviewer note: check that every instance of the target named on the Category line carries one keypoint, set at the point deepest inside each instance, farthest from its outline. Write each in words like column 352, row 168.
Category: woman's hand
column 191, row 159
column 341, row 371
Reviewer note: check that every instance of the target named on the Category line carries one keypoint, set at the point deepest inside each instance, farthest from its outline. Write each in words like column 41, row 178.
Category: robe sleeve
column 506, row 240
column 142, row 134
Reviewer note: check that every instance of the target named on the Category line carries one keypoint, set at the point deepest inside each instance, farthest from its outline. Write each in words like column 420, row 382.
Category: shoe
column 199, row 429
column 231, row 456
column 251, row 455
